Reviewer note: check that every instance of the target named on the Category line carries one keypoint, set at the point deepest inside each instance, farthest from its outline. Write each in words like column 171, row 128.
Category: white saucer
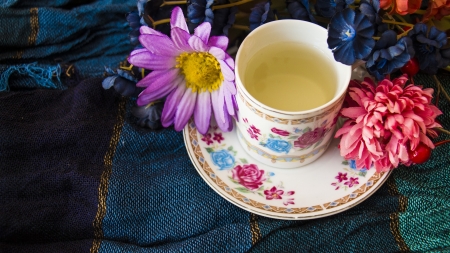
column 307, row 192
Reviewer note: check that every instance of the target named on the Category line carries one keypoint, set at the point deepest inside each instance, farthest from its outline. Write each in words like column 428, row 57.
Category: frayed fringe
column 43, row 77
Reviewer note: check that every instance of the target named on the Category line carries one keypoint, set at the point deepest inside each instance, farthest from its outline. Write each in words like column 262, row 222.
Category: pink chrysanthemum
column 385, row 122
column 193, row 71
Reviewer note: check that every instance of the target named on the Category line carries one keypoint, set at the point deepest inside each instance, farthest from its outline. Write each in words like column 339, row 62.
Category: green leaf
column 230, row 148
column 362, row 173
column 209, row 150
column 271, row 136
column 345, row 162
column 306, row 130
column 234, row 152
column 317, row 144
column 293, row 137
column 243, row 160
column 242, row 189
column 260, row 194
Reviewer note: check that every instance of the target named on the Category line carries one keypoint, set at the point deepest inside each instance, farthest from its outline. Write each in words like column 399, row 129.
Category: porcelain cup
column 280, row 138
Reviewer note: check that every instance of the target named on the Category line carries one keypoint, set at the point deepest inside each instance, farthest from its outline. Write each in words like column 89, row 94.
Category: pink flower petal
column 202, row 112
column 161, row 45
column 227, row 72
column 353, row 112
column 185, row 109
column 202, row 31
column 145, row 59
column 217, row 52
column 218, row 41
column 177, row 19
column 147, row 30
column 197, row 44
column 170, row 105
column 180, row 39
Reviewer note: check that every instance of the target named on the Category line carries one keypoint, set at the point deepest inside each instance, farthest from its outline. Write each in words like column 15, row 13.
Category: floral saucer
column 324, row 187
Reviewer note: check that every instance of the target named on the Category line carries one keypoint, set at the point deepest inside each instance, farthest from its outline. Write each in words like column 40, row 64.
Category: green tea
column 290, row 76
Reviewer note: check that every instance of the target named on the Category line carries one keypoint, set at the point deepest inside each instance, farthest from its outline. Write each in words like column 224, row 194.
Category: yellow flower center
column 201, row 71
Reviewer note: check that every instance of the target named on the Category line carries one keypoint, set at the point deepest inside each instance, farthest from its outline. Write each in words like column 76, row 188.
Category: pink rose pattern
column 309, row 138
column 252, row 179
column 249, row 176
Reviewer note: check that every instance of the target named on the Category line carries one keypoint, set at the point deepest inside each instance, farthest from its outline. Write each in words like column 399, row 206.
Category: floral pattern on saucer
column 350, row 177
column 224, row 164
column 247, row 177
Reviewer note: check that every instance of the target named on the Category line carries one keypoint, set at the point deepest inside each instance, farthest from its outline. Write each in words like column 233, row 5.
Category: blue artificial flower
column 223, row 159
column 199, row 11
column 261, row 14
column 223, row 19
column 123, row 82
column 299, row 9
column 371, row 8
column 133, row 19
column 389, row 55
column 427, row 44
column 350, row 36
column 278, row 145
column 149, row 115
column 328, row 8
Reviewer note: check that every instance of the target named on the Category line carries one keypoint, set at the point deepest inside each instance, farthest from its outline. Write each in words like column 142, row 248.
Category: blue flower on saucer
column 278, row 145
column 223, row 159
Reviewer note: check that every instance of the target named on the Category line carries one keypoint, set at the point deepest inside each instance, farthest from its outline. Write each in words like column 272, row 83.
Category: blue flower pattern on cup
column 278, row 145
column 223, row 159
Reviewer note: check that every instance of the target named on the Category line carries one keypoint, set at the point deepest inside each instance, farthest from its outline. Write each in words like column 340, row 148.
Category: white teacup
column 286, row 138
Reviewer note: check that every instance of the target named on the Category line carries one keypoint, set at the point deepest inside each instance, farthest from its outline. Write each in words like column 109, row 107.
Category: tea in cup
column 289, row 93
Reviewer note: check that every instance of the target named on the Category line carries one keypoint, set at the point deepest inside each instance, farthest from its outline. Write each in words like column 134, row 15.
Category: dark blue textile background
column 78, row 175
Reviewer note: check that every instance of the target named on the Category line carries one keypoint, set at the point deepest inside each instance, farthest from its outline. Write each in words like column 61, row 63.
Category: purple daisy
column 193, row 71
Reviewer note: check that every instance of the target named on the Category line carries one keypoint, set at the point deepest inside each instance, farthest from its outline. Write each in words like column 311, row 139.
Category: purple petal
column 147, row 30
column 228, row 100
column 202, row 112
column 150, row 78
column 218, row 41
column 227, row 72
column 177, row 19
column 229, row 61
column 160, row 79
column 160, row 87
column 170, row 106
column 185, row 109
column 227, row 124
column 138, row 51
column 197, row 44
column 161, row 45
column 230, row 86
column 217, row 52
column 180, row 38
column 202, row 31
column 145, row 59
